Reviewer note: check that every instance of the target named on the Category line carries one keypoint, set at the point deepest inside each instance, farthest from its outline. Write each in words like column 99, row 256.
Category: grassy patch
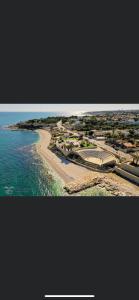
column 70, row 139
column 94, row 191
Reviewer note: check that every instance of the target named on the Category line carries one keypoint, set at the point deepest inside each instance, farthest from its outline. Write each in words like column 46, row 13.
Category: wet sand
column 69, row 171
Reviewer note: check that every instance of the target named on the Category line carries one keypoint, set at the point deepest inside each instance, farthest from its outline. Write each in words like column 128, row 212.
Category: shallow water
column 22, row 172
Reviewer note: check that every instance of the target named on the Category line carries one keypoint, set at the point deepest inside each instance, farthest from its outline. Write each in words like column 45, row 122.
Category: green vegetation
column 87, row 124
column 94, row 191
column 70, row 139
column 113, row 126
column 136, row 158
column 87, row 144
column 40, row 123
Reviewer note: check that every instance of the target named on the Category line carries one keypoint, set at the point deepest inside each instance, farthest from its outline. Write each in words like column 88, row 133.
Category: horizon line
column 32, row 111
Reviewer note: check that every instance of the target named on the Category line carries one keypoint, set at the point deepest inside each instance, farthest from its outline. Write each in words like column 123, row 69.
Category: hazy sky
column 69, row 108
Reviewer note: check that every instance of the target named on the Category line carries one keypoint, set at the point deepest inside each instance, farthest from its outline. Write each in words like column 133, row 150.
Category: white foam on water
column 9, row 190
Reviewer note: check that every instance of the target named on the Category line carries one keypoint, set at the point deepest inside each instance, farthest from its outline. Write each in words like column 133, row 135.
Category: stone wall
column 130, row 169
column 62, row 150
column 127, row 175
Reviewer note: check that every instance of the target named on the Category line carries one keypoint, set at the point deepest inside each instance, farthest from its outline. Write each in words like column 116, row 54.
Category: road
column 110, row 149
column 102, row 145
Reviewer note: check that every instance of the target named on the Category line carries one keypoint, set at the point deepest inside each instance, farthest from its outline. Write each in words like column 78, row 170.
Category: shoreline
column 48, row 156
column 67, row 170
column 70, row 173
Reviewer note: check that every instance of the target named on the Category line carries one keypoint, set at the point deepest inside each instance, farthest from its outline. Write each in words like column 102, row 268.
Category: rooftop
column 89, row 153
column 128, row 145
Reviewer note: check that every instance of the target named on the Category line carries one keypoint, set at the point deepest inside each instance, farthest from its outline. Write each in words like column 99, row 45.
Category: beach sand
column 69, row 171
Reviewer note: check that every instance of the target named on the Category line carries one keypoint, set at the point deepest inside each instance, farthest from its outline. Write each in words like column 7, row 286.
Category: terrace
column 97, row 157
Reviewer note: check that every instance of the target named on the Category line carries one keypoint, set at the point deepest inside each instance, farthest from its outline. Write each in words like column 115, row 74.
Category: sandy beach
column 69, row 171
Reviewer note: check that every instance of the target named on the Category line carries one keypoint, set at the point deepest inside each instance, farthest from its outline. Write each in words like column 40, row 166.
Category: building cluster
column 77, row 147
column 98, row 139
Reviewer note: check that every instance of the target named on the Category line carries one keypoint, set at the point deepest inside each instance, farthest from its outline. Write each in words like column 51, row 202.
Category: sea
column 22, row 172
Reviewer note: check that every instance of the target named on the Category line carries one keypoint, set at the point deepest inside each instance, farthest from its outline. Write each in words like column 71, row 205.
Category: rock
column 79, row 185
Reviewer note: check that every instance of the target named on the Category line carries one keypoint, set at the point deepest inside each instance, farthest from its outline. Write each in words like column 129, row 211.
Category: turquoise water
column 22, row 172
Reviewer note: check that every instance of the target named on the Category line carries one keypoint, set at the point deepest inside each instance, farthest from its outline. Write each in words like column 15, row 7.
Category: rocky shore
column 101, row 181
column 76, row 178
column 78, row 185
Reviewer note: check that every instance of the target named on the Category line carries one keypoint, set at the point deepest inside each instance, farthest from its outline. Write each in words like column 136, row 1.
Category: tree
column 136, row 158
column 81, row 136
column 91, row 132
column 82, row 144
column 113, row 132
column 132, row 132
column 69, row 147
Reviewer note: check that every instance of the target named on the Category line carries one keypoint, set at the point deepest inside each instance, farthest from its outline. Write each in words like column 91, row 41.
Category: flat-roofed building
column 99, row 158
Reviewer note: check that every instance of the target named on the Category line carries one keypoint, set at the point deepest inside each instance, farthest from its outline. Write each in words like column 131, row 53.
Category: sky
column 68, row 108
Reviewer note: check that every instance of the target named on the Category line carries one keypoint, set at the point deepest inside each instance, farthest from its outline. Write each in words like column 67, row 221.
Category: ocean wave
column 27, row 148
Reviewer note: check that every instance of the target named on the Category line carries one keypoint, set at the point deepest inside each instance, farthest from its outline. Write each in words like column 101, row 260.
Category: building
column 100, row 138
column 98, row 159
column 128, row 145
column 89, row 157
column 99, row 135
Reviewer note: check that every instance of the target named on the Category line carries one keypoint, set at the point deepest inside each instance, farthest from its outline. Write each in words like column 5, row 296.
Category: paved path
column 69, row 171
column 108, row 148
